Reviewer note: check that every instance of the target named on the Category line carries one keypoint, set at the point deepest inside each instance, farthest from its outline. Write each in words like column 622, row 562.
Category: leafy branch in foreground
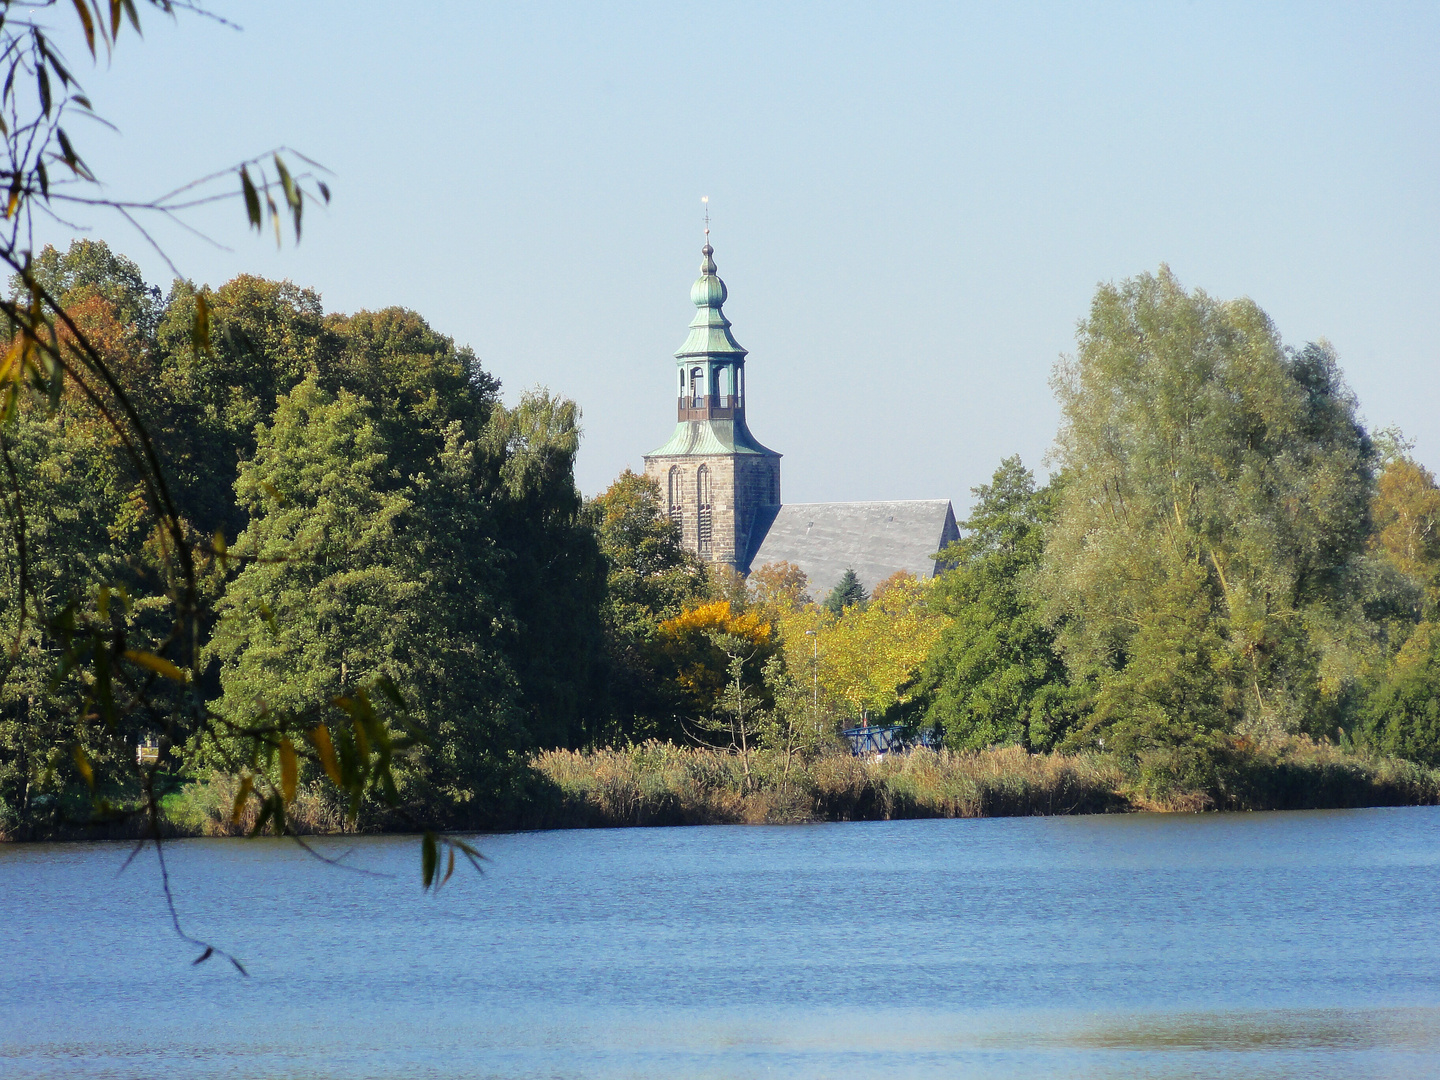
column 122, row 631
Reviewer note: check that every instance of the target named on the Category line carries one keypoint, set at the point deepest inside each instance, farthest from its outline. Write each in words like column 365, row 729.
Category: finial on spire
column 708, row 266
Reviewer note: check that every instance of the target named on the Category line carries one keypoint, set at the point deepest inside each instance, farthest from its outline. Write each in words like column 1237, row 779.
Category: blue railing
column 885, row 740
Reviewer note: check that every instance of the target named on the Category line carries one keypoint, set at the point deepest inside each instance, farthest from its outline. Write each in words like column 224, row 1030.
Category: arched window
column 682, row 382
column 676, row 495
column 697, row 376
column 739, row 386
column 702, row 500
column 726, row 389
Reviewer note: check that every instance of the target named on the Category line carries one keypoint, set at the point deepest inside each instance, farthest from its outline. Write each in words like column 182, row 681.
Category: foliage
column 1210, row 534
column 649, row 576
column 868, row 656
column 779, row 588
column 552, row 573
column 706, row 649
column 1407, row 524
column 1402, row 713
column 995, row 677
column 848, row 592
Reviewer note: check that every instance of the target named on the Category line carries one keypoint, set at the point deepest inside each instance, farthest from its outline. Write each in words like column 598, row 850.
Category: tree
column 699, row 669
column 552, row 572
column 1211, row 530
column 868, row 655
column 650, row 578
column 1401, row 715
column 356, row 573
column 779, row 587
column 739, row 707
column 848, row 592
column 995, row 676
column 128, row 676
column 1407, row 524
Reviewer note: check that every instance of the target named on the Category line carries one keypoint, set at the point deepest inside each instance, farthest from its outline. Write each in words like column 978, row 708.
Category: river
column 1136, row 946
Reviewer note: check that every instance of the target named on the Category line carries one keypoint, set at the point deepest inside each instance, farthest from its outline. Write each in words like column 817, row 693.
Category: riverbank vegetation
column 406, row 615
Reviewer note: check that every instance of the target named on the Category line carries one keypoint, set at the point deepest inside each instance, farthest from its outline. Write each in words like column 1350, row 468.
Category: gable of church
column 875, row 539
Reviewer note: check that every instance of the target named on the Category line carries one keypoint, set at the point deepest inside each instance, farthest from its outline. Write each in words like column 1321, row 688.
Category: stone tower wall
column 739, row 485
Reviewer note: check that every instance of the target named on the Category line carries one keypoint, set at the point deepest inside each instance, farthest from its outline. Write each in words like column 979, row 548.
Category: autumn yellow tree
column 688, row 653
column 1407, row 524
column 865, row 658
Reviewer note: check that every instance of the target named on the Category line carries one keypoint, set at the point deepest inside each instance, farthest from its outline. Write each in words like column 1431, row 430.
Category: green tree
column 267, row 337
column 355, row 573
column 1407, row 524
column 1210, row 536
column 1401, row 715
column 552, row 573
column 649, row 578
column 995, row 677
column 848, row 592
column 90, row 269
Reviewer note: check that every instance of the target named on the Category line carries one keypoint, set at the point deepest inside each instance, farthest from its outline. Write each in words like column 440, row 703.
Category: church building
column 722, row 486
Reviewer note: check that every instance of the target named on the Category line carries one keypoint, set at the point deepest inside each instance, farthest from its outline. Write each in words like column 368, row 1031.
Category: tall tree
column 1216, row 508
column 553, row 575
column 995, row 677
column 354, row 573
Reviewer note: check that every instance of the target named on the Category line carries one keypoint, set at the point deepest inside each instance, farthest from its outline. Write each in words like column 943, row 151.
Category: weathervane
column 705, row 200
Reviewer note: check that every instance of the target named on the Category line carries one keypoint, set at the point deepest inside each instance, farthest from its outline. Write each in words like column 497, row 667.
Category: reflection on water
column 1236, row 946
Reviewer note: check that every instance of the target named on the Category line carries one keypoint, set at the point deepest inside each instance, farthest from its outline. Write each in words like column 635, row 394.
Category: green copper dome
column 710, row 330
column 712, row 414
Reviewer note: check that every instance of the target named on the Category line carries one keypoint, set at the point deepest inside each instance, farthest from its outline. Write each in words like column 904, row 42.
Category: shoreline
column 659, row 784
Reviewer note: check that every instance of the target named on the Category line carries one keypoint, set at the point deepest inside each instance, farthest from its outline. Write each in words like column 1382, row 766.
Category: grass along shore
column 661, row 784
column 657, row 783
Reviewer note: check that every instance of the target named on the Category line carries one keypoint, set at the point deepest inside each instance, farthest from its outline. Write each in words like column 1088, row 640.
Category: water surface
column 1164, row 946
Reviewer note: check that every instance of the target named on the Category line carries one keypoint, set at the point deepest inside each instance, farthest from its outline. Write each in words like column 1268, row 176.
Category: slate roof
column 874, row 538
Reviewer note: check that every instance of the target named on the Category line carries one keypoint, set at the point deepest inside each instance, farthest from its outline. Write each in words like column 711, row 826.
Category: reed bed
column 656, row 783
column 660, row 784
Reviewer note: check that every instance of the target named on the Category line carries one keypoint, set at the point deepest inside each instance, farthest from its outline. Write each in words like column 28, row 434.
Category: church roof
column 875, row 539
column 711, row 437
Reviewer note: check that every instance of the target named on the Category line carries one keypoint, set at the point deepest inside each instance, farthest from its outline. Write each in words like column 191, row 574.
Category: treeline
column 1223, row 559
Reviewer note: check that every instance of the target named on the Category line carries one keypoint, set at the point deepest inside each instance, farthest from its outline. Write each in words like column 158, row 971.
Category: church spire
column 713, row 474
column 710, row 336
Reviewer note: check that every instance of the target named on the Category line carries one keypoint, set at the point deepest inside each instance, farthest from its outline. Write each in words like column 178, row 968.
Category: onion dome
column 710, row 330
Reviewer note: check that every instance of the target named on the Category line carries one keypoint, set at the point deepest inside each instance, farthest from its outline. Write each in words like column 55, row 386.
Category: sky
column 912, row 205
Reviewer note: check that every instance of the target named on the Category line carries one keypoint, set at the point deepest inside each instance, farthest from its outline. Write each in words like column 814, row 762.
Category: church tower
column 714, row 476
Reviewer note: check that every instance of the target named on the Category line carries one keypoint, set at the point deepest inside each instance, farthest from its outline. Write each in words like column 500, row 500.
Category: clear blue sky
column 912, row 205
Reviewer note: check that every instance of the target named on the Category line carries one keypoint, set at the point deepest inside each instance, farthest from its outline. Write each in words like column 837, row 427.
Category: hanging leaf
column 83, row 764
column 157, row 664
column 429, row 857
column 289, row 770
column 247, row 785
column 88, row 23
column 252, row 198
column 319, row 737
column 200, row 330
